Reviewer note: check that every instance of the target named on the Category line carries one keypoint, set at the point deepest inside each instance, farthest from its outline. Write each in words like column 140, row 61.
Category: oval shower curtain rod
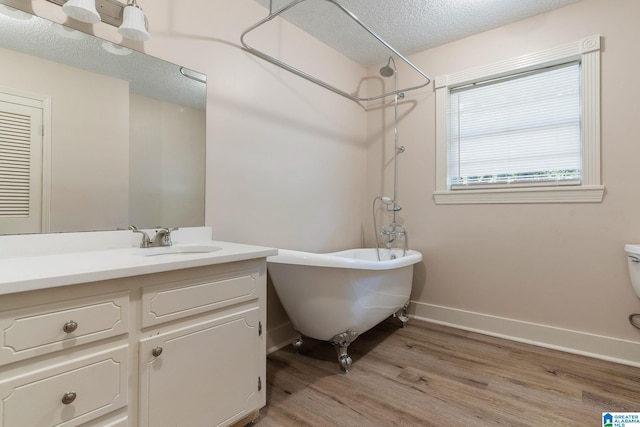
column 317, row 81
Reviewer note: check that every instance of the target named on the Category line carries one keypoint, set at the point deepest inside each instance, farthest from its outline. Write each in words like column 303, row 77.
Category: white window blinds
column 520, row 129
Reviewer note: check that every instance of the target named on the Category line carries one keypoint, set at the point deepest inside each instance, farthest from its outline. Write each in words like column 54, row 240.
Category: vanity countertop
column 26, row 273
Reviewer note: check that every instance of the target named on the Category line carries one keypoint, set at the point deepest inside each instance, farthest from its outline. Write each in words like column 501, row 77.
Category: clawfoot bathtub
column 337, row 296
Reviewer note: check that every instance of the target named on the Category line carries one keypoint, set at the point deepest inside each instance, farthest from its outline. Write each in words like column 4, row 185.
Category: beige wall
column 293, row 166
column 89, row 141
column 559, row 265
column 286, row 159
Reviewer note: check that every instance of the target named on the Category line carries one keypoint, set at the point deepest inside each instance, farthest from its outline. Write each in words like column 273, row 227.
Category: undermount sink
column 176, row 250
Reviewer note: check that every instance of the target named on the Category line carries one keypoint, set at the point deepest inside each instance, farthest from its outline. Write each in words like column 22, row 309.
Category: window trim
column 587, row 51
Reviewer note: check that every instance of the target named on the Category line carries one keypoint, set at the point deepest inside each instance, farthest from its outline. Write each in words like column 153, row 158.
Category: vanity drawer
column 33, row 331
column 170, row 301
column 67, row 394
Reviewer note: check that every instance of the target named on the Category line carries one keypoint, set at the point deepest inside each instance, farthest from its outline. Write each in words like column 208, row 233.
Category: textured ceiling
column 409, row 26
column 147, row 75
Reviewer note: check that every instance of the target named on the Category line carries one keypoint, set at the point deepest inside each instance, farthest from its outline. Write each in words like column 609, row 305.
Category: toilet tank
column 633, row 261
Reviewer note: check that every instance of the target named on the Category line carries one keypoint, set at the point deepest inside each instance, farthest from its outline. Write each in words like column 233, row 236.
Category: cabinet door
column 205, row 374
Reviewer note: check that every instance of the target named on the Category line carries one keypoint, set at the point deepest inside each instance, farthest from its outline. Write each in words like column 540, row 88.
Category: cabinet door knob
column 70, row 326
column 68, row 397
column 156, row 351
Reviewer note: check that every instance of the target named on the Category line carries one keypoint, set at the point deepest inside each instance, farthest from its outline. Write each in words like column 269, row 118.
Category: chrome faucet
column 162, row 237
column 394, row 231
column 146, row 241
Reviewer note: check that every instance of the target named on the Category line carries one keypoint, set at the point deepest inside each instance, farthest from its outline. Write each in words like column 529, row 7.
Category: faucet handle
column 146, row 241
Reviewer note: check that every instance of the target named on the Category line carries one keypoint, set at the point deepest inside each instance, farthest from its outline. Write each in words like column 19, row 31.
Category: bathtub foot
column 402, row 314
column 297, row 343
column 340, row 342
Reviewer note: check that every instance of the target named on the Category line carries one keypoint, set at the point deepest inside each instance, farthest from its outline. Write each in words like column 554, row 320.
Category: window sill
column 573, row 194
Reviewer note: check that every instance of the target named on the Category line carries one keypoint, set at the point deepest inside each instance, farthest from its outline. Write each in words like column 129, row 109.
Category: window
column 521, row 131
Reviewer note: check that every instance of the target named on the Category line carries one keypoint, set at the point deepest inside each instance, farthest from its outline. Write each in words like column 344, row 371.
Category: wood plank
column 433, row 375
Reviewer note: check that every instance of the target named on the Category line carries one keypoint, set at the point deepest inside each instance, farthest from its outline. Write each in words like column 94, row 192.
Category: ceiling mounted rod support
column 315, row 80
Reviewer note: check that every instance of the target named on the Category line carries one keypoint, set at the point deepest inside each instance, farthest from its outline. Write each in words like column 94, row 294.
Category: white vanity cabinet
column 62, row 362
column 182, row 347
column 202, row 353
column 202, row 375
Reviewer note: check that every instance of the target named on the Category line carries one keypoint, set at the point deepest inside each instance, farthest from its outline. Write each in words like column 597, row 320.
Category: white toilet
column 633, row 261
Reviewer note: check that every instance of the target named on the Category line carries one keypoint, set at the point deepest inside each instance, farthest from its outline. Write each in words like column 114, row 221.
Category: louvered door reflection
column 20, row 165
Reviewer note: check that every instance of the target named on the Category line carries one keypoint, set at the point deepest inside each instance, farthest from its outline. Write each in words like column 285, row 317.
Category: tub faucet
column 392, row 233
column 389, row 235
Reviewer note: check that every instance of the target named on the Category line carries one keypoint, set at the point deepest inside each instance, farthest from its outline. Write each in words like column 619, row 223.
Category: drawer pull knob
column 156, row 351
column 70, row 326
column 68, row 397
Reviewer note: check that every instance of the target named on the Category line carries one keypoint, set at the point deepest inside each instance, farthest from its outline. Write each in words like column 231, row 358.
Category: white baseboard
column 280, row 336
column 597, row 346
column 570, row 341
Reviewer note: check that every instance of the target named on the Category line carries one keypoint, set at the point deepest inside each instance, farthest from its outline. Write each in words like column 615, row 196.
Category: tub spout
column 341, row 342
column 392, row 233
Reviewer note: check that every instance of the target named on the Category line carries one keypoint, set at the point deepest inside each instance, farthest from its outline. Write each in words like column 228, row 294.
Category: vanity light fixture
column 129, row 17
column 82, row 10
column 133, row 22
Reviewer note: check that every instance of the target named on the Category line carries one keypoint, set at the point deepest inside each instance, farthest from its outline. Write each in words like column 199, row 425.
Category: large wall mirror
column 95, row 136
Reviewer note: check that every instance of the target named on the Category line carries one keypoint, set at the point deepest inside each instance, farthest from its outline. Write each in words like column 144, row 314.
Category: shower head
column 388, row 70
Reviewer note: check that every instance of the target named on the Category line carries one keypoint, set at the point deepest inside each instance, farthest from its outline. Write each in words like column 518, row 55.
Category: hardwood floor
column 431, row 375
